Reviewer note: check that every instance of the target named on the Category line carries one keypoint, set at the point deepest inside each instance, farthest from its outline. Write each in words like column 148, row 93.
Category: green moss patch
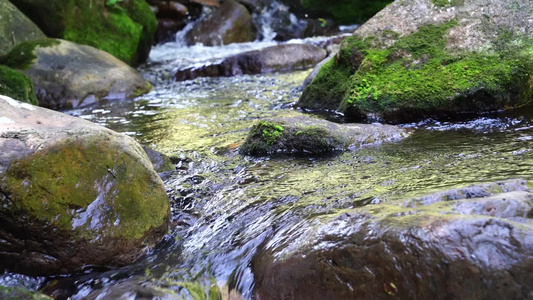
column 17, row 86
column 76, row 185
column 22, row 56
column 12, row 293
column 418, row 77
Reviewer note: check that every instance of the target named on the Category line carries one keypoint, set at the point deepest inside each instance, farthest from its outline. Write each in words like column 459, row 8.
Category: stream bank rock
column 16, row 85
column 229, row 23
column 457, row 248
column 13, row 293
column 73, row 193
column 67, row 75
column 123, row 28
column 287, row 57
column 427, row 58
column 15, row 27
column 302, row 134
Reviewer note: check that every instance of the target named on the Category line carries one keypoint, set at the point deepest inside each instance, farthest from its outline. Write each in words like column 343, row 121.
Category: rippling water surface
column 225, row 205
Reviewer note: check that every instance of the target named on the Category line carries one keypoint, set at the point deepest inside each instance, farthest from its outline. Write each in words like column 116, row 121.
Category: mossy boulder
column 13, row 293
column 302, row 134
column 124, row 29
column 16, row 85
column 15, row 27
column 423, row 58
column 68, row 75
column 452, row 248
column 229, row 23
column 73, row 193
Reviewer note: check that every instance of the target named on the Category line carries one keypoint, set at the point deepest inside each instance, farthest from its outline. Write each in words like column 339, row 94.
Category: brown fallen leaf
column 390, row 288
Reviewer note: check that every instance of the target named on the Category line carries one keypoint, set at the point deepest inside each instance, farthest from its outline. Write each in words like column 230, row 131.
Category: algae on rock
column 402, row 66
column 16, row 85
column 125, row 29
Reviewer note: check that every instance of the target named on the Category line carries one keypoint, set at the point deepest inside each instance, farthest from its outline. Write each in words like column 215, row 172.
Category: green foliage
column 16, row 85
column 21, row 57
column 112, row 2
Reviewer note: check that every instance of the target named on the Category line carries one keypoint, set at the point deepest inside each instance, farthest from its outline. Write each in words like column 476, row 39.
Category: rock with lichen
column 73, row 193
column 15, row 27
column 426, row 58
column 307, row 135
column 68, row 75
column 124, row 28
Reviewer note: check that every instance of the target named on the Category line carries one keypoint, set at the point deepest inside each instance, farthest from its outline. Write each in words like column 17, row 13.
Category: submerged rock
column 229, row 23
column 160, row 161
column 475, row 248
column 15, row 27
column 73, row 193
column 427, row 58
column 287, row 57
column 16, row 85
column 123, row 28
column 304, row 134
column 67, row 75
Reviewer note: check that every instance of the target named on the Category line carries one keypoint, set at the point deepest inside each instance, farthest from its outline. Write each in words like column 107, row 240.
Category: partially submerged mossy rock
column 302, row 134
column 419, row 58
column 73, row 193
column 13, row 293
column 16, row 85
column 229, row 23
column 124, row 29
column 67, row 75
column 15, row 27
column 461, row 247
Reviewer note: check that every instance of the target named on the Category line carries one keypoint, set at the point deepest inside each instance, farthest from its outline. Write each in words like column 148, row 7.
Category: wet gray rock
column 68, row 75
column 229, row 23
column 303, row 134
column 287, row 57
column 476, row 248
column 160, row 161
column 15, row 27
column 73, row 193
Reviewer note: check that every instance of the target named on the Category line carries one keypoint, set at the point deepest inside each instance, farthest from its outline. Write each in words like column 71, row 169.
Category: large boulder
column 229, row 23
column 454, row 248
column 16, row 85
column 422, row 58
column 123, row 28
column 286, row 57
column 67, row 75
column 73, row 193
column 15, row 27
column 307, row 135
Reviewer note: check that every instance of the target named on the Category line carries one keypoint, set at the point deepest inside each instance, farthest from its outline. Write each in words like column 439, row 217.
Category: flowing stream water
column 225, row 205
